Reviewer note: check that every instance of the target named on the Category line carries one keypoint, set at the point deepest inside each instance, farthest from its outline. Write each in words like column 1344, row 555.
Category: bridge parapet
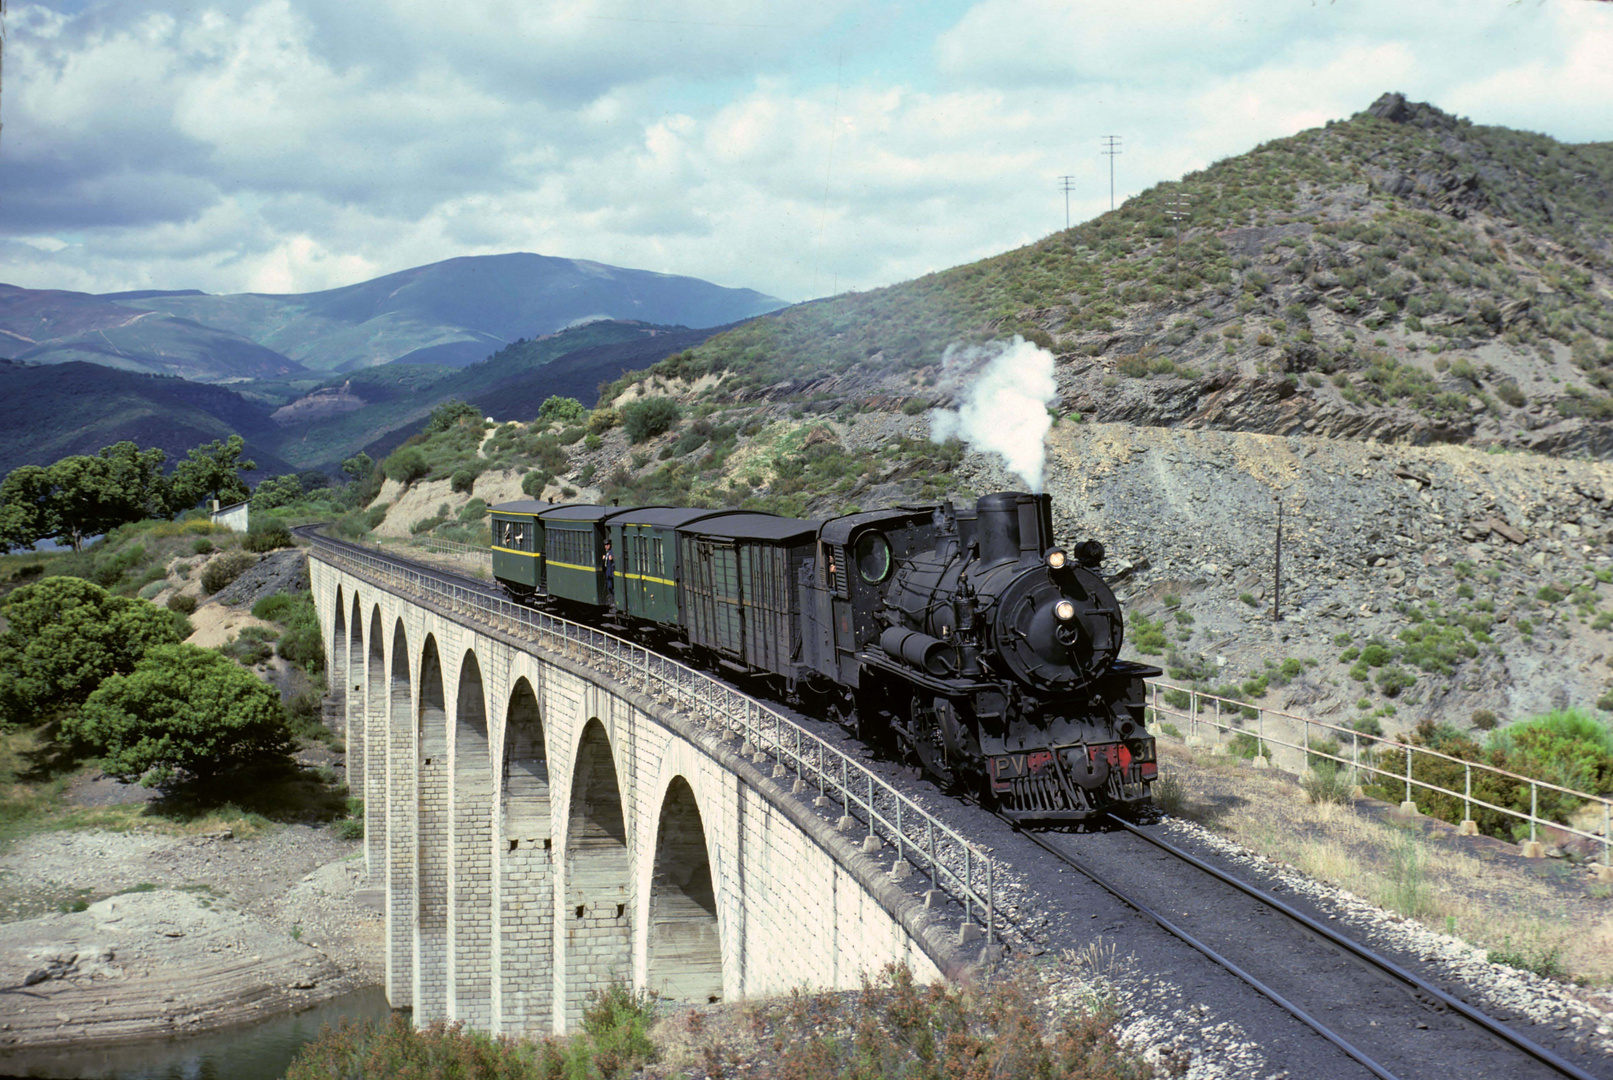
column 578, row 859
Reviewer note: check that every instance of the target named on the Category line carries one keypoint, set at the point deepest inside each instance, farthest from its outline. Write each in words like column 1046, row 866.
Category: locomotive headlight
column 1055, row 561
column 1064, row 610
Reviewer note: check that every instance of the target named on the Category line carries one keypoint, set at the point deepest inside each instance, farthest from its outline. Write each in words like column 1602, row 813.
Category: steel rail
column 1298, row 1013
column 1411, row 979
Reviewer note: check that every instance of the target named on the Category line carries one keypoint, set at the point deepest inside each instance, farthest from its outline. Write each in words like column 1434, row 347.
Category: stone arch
column 470, row 889
column 353, row 728
column 526, row 876
column 337, row 644
column 431, row 842
column 684, row 948
column 598, row 867
column 371, row 785
column 400, row 858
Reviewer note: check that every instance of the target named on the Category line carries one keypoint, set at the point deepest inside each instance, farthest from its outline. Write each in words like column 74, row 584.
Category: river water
column 259, row 1051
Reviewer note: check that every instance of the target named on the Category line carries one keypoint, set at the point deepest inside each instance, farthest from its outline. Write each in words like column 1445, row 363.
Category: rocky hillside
column 1399, row 325
column 1403, row 274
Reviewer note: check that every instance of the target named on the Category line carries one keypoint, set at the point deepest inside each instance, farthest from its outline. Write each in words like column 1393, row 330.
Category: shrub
column 1246, row 746
column 534, row 482
column 180, row 709
column 301, row 642
column 1509, row 392
column 602, row 420
column 463, row 480
column 451, row 414
column 1483, row 719
column 564, row 410
column 1328, row 784
column 64, row 636
column 182, row 603
column 251, row 646
column 268, row 537
column 649, row 417
column 406, row 465
column 225, row 568
column 202, row 546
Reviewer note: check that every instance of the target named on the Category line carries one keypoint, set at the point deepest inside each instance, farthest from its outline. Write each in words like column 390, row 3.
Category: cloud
column 285, row 144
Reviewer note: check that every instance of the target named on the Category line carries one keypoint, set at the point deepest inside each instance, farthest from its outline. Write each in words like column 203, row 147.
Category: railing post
column 1534, row 809
column 991, row 903
column 1467, row 792
column 870, row 804
column 1408, row 772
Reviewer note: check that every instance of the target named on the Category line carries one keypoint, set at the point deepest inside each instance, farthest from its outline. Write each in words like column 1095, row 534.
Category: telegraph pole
column 1111, row 147
column 1277, row 574
column 1066, row 183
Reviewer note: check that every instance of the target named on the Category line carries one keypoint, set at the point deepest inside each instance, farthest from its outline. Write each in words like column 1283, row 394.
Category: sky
column 799, row 148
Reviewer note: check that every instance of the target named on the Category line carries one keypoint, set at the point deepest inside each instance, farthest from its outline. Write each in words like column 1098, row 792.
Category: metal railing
column 955, row 866
column 1228, row 714
column 450, row 547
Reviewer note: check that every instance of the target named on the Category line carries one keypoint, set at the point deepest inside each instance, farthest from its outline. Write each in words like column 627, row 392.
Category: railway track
column 1392, row 1022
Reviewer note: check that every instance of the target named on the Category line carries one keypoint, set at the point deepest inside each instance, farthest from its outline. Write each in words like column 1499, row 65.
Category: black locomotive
column 961, row 637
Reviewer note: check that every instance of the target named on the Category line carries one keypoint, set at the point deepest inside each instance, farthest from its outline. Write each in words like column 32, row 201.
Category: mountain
column 377, row 408
column 49, row 411
column 458, row 311
column 53, row 326
column 450, row 314
column 1404, row 275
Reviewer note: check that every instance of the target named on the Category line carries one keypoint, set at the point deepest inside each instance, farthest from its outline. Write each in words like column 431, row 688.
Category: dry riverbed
column 147, row 934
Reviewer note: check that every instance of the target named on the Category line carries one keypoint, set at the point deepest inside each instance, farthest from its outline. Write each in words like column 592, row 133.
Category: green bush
column 301, row 642
column 1246, row 746
column 649, row 417
column 534, row 482
column 64, row 636
column 463, row 480
column 1327, row 783
column 183, row 603
column 406, row 465
column 225, row 568
column 182, row 709
column 564, row 410
column 267, row 537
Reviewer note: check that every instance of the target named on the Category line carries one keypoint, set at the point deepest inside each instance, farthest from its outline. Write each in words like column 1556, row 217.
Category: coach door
column 716, row 587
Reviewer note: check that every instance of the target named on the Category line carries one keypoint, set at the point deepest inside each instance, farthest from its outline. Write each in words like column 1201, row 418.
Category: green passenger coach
column 518, row 545
column 574, row 552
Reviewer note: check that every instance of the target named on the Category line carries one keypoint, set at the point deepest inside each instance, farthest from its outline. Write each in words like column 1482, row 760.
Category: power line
column 1111, row 147
column 1065, row 184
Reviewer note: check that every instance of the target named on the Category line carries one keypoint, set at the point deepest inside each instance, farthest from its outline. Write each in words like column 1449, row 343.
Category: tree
column 359, row 467
column 27, row 512
column 64, row 635
column 181, row 708
column 567, row 410
column 212, row 471
column 277, row 491
column 451, row 414
column 406, row 465
column 82, row 496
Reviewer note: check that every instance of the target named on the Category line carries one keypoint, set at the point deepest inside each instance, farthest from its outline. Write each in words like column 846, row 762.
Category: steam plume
column 1005, row 408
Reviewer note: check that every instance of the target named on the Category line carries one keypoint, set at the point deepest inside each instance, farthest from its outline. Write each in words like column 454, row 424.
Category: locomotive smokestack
column 997, row 528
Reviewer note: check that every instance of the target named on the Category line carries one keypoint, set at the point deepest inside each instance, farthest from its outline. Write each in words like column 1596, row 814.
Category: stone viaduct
column 539, row 827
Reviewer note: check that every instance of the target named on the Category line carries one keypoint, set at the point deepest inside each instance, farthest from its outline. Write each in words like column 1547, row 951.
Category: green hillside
column 1401, row 258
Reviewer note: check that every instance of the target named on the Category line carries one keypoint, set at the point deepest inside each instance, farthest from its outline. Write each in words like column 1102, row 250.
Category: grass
column 1429, row 877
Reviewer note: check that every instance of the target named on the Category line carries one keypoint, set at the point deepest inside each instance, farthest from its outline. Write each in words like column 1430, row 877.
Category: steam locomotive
column 961, row 638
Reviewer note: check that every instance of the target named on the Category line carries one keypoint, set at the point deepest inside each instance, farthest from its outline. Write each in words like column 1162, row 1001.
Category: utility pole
column 1277, row 573
column 1178, row 210
column 1066, row 183
column 1111, row 147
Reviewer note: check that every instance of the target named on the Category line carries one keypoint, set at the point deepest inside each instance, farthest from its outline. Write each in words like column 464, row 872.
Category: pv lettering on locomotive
column 962, row 638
